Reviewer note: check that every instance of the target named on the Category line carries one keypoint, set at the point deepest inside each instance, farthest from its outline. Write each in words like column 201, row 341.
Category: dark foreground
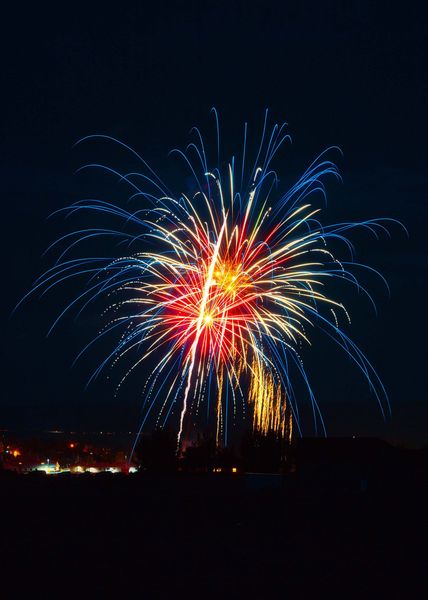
column 196, row 536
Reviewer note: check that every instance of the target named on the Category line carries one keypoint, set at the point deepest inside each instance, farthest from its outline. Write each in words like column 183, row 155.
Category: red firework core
column 222, row 328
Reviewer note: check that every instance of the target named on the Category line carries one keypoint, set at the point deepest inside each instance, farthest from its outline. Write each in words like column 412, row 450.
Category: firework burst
column 220, row 286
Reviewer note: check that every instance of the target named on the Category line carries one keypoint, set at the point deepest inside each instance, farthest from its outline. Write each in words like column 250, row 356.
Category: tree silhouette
column 157, row 451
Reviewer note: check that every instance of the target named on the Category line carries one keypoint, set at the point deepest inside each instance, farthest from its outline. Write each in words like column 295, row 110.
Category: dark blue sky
column 351, row 74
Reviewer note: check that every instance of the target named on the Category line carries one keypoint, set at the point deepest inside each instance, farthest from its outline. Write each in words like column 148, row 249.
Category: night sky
column 350, row 74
